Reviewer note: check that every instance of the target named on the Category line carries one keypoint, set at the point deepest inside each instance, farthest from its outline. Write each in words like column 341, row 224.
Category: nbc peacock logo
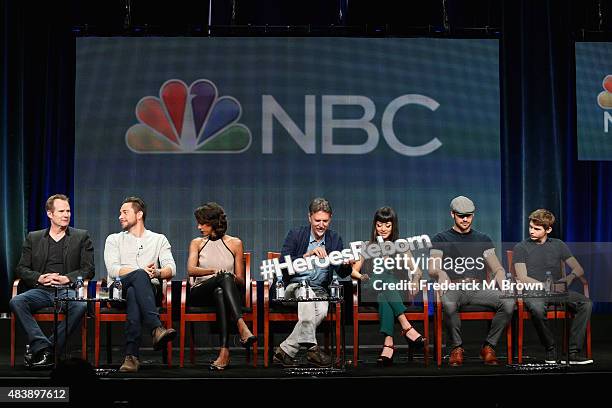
column 190, row 119
column 604, row 99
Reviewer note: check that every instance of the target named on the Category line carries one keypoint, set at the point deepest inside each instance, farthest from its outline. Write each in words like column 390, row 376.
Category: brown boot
column 130, row 365
column 162, row 336
column 316, row 357
column 487, row 354
column 456, row 357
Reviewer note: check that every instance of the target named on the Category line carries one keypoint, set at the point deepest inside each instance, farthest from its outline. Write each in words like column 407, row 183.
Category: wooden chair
column 287, row 314
column 106, row 312
column 369, row 313
column 551, row 313
column 46, row 315
column 467, row 312
column 208, row 313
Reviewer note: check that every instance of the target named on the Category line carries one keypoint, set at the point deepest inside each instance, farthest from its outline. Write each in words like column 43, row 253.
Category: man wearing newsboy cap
column 460, row 255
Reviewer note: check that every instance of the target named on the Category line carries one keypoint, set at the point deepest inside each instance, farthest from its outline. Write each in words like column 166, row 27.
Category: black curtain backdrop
column 37, row 88
column 538, row 129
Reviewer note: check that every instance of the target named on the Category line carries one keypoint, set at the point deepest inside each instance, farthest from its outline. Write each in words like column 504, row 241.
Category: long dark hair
column 385, row 214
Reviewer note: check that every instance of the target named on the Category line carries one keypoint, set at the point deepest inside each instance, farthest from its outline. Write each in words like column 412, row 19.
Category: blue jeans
column 28, row 302
column 141, row 308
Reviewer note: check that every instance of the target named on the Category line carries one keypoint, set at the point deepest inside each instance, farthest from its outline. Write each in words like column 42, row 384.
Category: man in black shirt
column 532, row 259
column 54, row 256
column 459, row 256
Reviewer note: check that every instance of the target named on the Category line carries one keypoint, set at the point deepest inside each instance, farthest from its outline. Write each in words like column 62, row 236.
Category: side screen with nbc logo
column 594, row 100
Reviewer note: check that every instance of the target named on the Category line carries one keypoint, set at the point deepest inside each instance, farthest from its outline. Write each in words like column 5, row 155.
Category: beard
column 463, row 228
column 129, row 225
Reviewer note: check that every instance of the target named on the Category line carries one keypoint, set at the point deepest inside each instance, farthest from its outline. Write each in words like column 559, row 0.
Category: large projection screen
column 263, row 125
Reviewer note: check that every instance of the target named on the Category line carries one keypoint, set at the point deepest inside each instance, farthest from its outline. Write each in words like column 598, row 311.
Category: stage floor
column 484, row 385
column 474, row 383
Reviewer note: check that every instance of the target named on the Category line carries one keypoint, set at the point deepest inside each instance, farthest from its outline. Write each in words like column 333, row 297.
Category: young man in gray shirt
column 537, row 255
column 135, row 254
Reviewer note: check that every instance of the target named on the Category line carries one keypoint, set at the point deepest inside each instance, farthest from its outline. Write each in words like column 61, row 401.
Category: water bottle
column 117, row 288
column 301, row 291
column 334, row 288
column 80, row 288
column 280, row 288
column 548, row 283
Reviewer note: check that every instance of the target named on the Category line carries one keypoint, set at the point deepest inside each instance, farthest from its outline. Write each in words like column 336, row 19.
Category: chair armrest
column 253, row 295
column 15, row 287
column 355, row 284
column 99, row 285
column 86, row 287
column 167, row 290
column 183, row 295
column 585, row 285
column 98, row 305
column 266, row 294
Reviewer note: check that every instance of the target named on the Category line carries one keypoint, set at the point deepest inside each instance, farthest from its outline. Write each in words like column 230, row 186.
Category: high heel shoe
column 248, row 342
column 384, row 360
column 419, row 342
column 218, row 367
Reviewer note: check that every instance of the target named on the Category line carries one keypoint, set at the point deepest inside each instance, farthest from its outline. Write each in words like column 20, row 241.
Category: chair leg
column 169, row 345
column 426, row 330
column 182, row 342
column 438, row 331
column 255, row 344
column 338, row 333
column 565, row 336
column 12, row 340
column 519, row 345
column 84, row 338
column 266, row 349
column 109, row 344
column 588, row 341
column 355, row 340
column 97, row 342
column 191, row 344
column 326, row 339
column 509, row 342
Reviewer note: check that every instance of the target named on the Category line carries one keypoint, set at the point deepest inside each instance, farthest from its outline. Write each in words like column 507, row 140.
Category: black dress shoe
column 43, row 360
column 27, row 358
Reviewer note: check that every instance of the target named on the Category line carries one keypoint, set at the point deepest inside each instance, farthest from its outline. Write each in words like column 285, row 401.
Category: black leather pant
column 222, row 291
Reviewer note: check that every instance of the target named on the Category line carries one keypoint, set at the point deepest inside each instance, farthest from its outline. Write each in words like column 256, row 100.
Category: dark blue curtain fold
column 37, row 140
column 539, row 155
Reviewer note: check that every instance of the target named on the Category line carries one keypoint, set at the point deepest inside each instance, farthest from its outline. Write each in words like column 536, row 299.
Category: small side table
column 553, row 298
column 335, row 302
column 57, row 303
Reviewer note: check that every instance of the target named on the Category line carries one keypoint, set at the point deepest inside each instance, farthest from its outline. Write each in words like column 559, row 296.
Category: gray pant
column 452, row 301
column 578, row 303
column 310, row 315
